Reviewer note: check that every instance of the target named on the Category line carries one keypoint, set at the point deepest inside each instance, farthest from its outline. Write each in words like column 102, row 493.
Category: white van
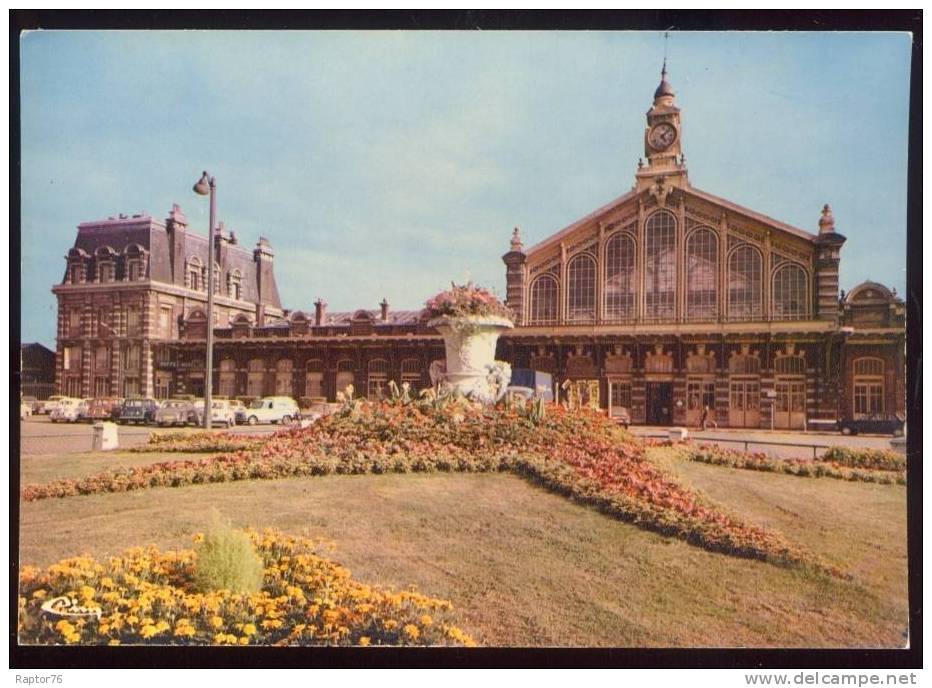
column 282, row 410
column 67, row 410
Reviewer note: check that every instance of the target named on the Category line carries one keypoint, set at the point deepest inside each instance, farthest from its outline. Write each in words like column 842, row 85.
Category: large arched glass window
column 580, row 279
column 789, row 293
column 744, row 283
column 702, row 275
column 660, row 266
column 543, row 306
column 227, row 377
column 255, row 377
column 284, row 377
column 620, row 277
column 378, row 379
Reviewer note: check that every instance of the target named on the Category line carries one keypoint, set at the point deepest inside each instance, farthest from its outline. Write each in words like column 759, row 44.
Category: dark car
column 138, row 411
column 876, row 425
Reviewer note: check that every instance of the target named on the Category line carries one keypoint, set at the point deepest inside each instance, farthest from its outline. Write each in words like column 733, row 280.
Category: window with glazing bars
column 702, row 275
column 744, row 283
column 789, row 293
column 620, row 277
column 580, row 278
column 660, row 267
column 543, row 306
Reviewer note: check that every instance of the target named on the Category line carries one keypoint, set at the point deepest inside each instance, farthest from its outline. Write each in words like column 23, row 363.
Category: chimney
column 384, row 306
column 320, row 311
column 175, row 226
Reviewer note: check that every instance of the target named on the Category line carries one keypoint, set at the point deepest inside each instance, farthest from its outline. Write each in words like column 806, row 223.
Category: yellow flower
column 184, row 630
column 364, row 641
column 148, row 631
column 216, row 621
column 244, row 640
column 412, row 632
column 426, row 620
column 249, row 629
column 114, row 642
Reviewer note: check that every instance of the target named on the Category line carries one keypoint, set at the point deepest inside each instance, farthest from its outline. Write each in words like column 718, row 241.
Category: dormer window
column 193, row 279
column 105, row 272
column 135, row 270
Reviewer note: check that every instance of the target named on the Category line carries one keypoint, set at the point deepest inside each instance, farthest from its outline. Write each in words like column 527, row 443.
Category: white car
column 282, row 410
column 222, row 413
column 67, row 410
column 46, row 407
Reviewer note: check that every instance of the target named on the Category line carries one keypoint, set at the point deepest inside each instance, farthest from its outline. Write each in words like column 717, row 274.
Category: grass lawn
column 43, row 468
column 526, row 567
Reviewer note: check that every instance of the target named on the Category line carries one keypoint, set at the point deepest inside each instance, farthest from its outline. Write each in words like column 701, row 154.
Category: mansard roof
column 690, row 191
column 394, row 317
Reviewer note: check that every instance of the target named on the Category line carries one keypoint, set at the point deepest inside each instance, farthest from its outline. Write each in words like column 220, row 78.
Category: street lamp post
column 205, row 186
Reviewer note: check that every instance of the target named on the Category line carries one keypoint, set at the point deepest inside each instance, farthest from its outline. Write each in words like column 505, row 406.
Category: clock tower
column 663, row 141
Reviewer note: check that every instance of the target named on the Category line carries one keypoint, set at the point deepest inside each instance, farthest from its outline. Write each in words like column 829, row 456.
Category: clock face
column 662, row 136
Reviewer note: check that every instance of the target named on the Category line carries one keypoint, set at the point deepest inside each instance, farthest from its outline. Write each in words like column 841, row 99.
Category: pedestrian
column 707, row 418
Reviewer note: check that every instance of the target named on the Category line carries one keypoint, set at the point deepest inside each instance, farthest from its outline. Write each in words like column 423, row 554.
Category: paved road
column 38, row 435
column 734, row 438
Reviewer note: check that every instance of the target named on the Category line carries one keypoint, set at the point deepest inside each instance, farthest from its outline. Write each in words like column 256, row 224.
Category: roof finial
column 516, row 243
column 664, row 88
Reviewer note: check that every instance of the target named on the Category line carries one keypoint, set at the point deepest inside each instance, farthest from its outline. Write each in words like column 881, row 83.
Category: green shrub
column 872, row 459
column 227, row 560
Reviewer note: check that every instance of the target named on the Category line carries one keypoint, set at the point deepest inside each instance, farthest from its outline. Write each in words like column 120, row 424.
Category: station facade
column 664, row 301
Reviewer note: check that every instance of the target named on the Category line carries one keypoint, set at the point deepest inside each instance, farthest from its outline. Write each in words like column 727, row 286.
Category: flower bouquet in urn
column 471, row 319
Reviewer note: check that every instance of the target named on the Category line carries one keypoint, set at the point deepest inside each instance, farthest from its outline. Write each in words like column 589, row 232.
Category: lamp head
column 203, row 185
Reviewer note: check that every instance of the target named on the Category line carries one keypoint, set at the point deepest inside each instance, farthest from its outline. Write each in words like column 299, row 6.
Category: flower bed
column 465, row 301
column 826, row 466
column 576, row 453
column 147, row 597
column 198, row 442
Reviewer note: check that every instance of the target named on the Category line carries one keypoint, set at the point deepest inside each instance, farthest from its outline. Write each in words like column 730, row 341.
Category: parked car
column 270, row 410
column 49, row 404
column 877, row 425
column 138, row 410
column 176, row 412
column 236, row 405
column 67, row 410
column 101, row 409
column 84, row 408
column 222, row 413
column 25, row 410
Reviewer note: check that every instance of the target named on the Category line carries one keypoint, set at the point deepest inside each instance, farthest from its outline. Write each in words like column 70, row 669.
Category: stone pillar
column 515, row 261
column 828, row 257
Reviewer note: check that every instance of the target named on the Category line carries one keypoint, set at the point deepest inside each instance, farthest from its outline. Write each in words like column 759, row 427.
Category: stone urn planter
column 470, row 351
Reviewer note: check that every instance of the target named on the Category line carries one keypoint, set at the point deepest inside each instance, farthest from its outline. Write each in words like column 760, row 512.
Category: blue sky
column 385, row 164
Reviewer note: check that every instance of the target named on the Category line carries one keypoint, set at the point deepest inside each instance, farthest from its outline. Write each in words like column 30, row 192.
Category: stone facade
column 664, row 301
column 131, row 282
